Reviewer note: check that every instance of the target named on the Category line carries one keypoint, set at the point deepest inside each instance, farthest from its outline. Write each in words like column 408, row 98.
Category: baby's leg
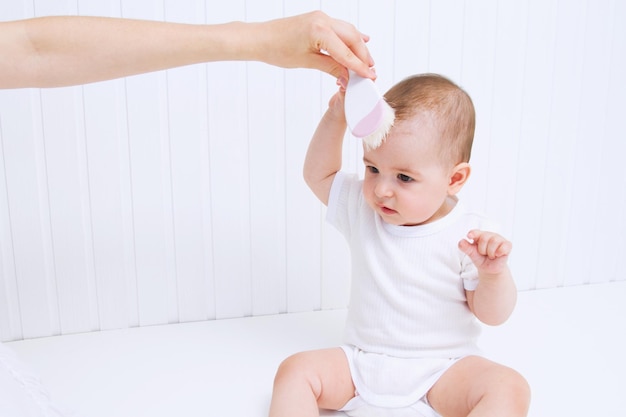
column 475, row 386
column 308, row 381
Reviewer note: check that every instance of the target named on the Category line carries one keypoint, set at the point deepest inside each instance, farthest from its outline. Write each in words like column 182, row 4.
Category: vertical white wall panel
column 10, row 320
column 506, row 114
column 477, row 78
column 556, row 235
column 608, row 241
column 610, row 236
column 533, row 137
column 178, row 195
column 334, row 288
column 10, row 314
column 187, row 114
column 266, row 141
column 303, row 104
column 63, row 134
column 230, row 175
column 586, row 201
column 69, row 217
column 466, row 54
column 52, row 8
column 150, row 161
column 110, row 196
column 149, row 157
column 445, row 52
column 27, row 195
column 15, row 126
column 69, row 282
column 230, row 206
column 558, row 185
column 376, row 18
column 411, row 39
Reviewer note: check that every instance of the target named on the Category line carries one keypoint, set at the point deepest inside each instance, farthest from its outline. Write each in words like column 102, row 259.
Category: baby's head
column 423, row 162
column 448, row 107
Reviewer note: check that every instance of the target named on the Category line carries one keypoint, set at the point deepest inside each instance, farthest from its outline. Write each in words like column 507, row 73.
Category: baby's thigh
column 475, row 381
column 326, row 371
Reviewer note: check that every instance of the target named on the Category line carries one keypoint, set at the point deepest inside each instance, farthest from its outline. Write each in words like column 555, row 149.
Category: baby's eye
column 372, row 169
column 404, row 178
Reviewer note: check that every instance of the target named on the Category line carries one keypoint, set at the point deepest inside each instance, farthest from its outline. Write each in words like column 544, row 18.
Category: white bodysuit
column 407, row 296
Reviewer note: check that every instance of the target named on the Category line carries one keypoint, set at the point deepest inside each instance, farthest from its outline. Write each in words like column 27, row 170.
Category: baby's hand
column 335, row 105
column 489, row 251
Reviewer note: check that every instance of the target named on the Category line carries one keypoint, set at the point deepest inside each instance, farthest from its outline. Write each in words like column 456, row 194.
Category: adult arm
column 68, row 50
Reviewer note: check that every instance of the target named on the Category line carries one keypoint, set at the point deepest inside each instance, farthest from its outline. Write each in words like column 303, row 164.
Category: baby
column 423, row 270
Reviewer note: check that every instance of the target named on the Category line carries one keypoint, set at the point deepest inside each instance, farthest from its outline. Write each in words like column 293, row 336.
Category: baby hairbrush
column 368, row 115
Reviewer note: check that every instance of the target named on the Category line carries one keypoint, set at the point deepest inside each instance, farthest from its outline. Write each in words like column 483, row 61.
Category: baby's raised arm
column 323, row 158
column 495, row 296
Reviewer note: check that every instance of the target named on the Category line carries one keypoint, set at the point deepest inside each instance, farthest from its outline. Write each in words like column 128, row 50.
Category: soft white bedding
column 569, row 343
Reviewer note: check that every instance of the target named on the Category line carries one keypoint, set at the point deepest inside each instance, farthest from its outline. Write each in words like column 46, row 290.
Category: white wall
column 177, row 196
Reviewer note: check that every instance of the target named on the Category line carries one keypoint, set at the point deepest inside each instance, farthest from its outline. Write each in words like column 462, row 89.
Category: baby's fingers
column 489, row 244
column 498, row 248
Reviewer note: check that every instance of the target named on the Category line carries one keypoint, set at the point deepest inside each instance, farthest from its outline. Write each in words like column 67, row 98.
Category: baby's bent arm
column 323, row 158
column 495, row 296
column 494, row 299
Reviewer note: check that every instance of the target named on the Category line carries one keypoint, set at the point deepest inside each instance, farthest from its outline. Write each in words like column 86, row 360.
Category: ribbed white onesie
column 408, row 286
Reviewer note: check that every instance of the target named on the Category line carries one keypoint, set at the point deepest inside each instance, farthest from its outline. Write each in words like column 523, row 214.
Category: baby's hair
column 449, row 107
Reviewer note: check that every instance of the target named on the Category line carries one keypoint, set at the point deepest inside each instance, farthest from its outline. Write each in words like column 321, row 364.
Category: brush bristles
column 376, row 138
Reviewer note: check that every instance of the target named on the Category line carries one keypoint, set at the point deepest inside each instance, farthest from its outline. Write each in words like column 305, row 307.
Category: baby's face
column 405, row 181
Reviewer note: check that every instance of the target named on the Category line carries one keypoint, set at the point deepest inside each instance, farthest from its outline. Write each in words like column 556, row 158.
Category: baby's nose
column 383, row 189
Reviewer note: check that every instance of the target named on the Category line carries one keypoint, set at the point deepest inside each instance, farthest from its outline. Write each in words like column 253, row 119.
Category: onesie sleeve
column 343, row 200
column 469, row 274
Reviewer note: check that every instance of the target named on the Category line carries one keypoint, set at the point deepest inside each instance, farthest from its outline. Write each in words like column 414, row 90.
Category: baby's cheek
column 369, row 199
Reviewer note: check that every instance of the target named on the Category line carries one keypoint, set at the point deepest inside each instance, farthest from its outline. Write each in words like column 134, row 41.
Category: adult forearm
column 57, row 51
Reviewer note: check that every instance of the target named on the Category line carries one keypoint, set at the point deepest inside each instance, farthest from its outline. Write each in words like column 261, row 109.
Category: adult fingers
column 346, row 46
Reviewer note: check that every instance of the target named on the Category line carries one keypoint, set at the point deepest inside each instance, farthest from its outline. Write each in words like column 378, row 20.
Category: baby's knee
column 519, row 384
column 289, row 368
column 516, row 388
column 294, row 370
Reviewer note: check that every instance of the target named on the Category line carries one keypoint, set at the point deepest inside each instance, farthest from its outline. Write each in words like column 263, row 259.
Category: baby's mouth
column 387, row 211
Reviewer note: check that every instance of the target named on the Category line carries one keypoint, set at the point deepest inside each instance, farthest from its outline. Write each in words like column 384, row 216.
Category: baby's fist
column 488, row 251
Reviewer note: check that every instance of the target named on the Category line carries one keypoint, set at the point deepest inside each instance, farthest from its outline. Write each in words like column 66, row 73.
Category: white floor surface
column 570, row 343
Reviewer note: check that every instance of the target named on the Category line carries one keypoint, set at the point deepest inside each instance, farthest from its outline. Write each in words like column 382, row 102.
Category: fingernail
column 342, row 82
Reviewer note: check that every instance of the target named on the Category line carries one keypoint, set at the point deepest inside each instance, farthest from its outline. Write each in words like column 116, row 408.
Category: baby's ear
column 458, row 177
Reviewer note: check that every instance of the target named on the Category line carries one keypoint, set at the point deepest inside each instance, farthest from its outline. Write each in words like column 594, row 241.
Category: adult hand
column 316, row 40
